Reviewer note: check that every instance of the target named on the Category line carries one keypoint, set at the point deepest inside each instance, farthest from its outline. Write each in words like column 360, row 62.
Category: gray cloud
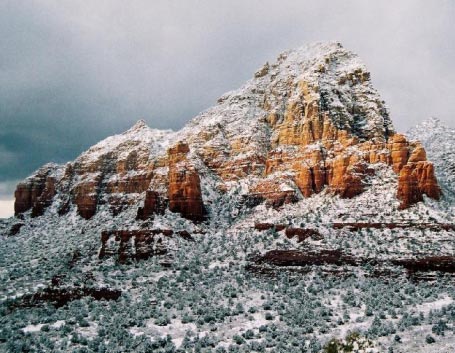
column 6, row 189
column 72, row 74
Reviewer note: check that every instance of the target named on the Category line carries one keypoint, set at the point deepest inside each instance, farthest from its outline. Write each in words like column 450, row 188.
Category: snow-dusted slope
column 138, row 137
column 439, row 142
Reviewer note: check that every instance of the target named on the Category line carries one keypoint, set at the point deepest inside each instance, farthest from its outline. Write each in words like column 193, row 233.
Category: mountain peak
column 139, row 125
column 305, row 56
column 324, row 78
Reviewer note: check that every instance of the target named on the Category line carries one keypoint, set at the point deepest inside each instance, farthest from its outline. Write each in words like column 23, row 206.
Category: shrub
column 238, row 339
column 249, row 334
column 162, row 321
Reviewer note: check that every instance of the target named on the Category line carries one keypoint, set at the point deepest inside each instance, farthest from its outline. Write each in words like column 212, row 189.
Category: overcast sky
column 74, row 72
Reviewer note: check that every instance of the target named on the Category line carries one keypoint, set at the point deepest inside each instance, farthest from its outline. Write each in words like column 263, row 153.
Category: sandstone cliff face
column 46, row 197
column 311, row 122
column 184, row 191
column 36, row 191
column 85, row 197
column 327, row 157
column 416, row 174
column 417, row 179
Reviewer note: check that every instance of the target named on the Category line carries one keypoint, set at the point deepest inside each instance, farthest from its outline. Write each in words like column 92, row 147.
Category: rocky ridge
column 310, row 122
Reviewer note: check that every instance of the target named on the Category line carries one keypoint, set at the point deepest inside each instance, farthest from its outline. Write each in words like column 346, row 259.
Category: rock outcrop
column 36, row 191
column 355, row 226
column 85, row 197
column 302, row 233
column 127, row 245
column 46, row 197
column 416, row 174
column 416, row 180
column 267, row 226
column 344, row 164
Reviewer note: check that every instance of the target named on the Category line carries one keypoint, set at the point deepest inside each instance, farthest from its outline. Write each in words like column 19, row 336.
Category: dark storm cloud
column 74, row 72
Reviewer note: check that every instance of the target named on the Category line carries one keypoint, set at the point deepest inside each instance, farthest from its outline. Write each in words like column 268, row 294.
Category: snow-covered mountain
column 284, row 218
column 308, row 123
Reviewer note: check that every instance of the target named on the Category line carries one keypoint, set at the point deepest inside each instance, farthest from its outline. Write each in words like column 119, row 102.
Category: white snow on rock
column 139, row 135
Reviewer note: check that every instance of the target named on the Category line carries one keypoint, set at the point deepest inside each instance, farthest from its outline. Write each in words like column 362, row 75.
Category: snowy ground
column 208, row 300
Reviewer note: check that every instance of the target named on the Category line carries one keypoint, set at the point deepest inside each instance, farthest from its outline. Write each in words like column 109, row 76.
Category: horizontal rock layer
column 126, row 245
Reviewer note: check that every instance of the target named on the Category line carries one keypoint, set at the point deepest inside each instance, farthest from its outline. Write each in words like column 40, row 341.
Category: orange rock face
column 416, row 174
column 86, row 198
column 184, row 192
column 399, row 152
column 129, row 184
column 315, row 154
column 427, row 180
column 415, row 180
column 26, row 195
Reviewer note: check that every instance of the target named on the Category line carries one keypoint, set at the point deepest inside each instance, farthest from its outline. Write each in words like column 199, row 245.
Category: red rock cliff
column 184, row 191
